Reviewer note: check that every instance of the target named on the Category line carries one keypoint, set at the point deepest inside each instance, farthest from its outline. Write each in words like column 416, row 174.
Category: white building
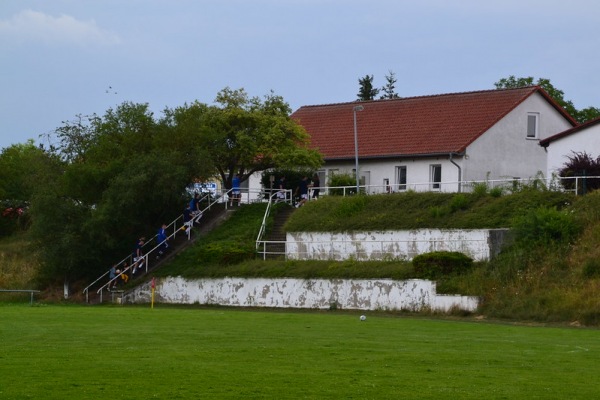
column 436, row 142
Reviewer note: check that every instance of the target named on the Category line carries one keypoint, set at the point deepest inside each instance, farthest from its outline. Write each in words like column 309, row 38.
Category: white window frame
column 535, row 117
column 435, row 181
column 401, row 185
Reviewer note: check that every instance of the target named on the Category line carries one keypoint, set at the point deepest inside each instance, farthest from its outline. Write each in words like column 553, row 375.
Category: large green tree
column 243, row 135
column 122, row 175
column 558, row 95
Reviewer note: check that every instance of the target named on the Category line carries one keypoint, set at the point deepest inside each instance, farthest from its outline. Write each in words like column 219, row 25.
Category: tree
column 367, row 91
column 558, row 96
column 121, row 175
column 243, row 135
column 22, row 169
column 389, row 90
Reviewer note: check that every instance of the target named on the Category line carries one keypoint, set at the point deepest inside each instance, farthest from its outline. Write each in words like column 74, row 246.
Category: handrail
column 175, row 225
column 263, row 225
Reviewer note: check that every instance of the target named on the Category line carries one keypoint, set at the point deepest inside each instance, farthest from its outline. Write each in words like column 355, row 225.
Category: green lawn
column 112, row 352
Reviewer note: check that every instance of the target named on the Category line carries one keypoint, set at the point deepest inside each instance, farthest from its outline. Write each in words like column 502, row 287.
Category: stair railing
column 175, row 226
column 263, row 226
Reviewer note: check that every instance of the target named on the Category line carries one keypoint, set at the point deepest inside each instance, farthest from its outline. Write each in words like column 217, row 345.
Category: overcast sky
column 62, row 58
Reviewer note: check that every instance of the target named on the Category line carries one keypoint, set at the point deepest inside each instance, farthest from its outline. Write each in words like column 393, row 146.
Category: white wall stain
column 479, row 244
column 370, row 294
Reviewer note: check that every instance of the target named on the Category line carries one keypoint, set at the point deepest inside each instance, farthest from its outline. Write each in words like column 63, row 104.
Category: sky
column 64, row 58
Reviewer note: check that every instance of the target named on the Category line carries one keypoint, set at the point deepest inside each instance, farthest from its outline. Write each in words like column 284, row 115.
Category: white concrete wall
column 381, row 294
column 476, row 243
column 587, row 140
column 506, row 152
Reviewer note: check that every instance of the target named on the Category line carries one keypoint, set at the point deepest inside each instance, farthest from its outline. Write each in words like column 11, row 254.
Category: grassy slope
column 554, row 282
column 544, row 283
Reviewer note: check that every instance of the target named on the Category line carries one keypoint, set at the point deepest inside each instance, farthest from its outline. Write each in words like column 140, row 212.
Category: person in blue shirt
column 161, row 238
column 236, row 193
column 303, row 189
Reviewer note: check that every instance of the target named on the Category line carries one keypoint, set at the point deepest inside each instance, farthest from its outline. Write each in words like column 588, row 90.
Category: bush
column 342, row 180
column 439, row 263
column 545, row 226
column 459, row 202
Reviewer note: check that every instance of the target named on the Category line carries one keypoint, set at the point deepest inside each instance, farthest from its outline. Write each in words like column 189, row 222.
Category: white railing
column 127, row 263
column 274, row 195
column 508, row 184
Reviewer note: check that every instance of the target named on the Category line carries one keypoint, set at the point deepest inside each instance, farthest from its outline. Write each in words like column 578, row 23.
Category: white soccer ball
column 363, row 317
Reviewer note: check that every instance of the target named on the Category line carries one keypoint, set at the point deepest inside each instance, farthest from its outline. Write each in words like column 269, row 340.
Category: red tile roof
column 411, row 126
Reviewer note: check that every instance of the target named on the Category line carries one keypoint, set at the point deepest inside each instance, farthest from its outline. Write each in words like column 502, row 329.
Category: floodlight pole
column 355, row 109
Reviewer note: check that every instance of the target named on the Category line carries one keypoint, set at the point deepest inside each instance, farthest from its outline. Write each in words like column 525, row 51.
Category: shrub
column 545, row 226
column 342, row 180
column 496, row 191
column 459, row 202
column 480, row 189
column 439, row 263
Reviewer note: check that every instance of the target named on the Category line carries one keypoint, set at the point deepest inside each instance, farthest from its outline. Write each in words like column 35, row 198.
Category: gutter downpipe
column 459, row 172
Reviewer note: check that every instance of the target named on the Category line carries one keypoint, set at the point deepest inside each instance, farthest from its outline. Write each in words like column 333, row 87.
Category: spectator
column 112, row 274
column 195, row 208
column 138, row 255
column 316, row 186
column 161, row 238
column 281, row 189
column 236, row 194
column 124, row 277
column 187, row 220
column 303, row 190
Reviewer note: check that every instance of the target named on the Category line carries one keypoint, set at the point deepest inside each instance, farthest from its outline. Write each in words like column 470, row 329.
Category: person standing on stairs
column 161, row 238
column 187, row 220
column 303, row 190
column 316, row 186
column 236, row 194
column 195, row 208
column 138, row 255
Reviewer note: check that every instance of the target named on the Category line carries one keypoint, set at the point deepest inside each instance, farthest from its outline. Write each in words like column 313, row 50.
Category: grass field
column 106, row 352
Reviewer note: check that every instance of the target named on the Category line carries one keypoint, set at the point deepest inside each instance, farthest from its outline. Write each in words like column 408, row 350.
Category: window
column 435, row 178
column 532, row 125
column 401, row 177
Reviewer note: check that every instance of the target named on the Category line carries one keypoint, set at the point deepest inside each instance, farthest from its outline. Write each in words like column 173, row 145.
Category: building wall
column 380, row 294
column 587, row 140
column 417, row 173
column 479, row 244
column 506, row 152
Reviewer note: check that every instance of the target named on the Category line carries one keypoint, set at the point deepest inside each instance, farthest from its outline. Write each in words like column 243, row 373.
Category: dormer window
column 532, row 125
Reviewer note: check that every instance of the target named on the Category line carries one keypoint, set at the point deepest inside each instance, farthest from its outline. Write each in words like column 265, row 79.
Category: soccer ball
column 363, row 318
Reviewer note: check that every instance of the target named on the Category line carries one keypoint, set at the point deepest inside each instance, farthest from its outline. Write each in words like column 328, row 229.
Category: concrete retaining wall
column 380, row 294
column 479, row 244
